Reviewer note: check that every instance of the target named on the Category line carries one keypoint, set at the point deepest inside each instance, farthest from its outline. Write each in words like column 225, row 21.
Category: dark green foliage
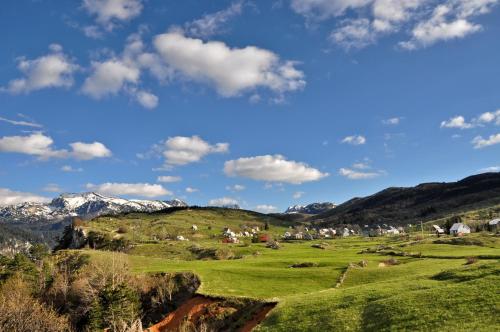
column 115, row 304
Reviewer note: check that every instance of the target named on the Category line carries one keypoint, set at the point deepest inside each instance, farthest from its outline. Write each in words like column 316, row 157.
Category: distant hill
column 423, row 202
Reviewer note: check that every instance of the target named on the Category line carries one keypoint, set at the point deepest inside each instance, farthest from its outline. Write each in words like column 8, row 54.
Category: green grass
column 419, row 294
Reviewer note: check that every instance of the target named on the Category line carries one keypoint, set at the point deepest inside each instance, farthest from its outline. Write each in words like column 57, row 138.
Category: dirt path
column 258, row 318
column 190, row 309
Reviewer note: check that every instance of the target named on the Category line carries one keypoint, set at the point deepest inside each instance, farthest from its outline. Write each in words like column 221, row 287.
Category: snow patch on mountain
column 84, row 205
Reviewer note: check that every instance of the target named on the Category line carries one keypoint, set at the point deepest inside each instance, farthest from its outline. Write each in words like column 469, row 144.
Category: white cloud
column 361, row 166
column 191, row 190
column 232, row 70
column 168, row 179
column 224, row 201
column 358, row 175
column 54, row 70
column 322, row 9
column 236, row 187
column 427, row 21
column 129, row 189
column 21, row 123
column 456, row 122
column 147, row 99
column 450, row 20
column 70, row 169
column 109, row 77
column 52, row 188
column 491, row 169
column 354, row 140
column 298, row 194
column 182, row 150
column 489, row 117
column 392, row 121
column 273, row 169
column 264, row 208
column 212, row 24
column 353, row 33
column 108, row 12
column 37, row 144
column 10, row 197
column 479, row 142
column 88, row 151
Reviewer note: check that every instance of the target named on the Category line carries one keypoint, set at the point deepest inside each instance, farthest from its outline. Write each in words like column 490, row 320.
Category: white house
column 493, row 225
column 438, row 229
column 459, row 229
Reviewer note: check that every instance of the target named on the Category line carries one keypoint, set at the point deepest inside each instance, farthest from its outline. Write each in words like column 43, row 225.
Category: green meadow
column 437, row 291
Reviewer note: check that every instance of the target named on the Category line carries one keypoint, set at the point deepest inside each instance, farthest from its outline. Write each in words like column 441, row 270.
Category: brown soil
column 193, row 308
column 258, row 318
column 190, row 309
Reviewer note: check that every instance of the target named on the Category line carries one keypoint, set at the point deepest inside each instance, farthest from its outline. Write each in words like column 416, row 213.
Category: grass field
column 438, row 292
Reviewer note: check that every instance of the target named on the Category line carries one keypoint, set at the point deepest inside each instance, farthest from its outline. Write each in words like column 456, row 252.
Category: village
column 302, row 233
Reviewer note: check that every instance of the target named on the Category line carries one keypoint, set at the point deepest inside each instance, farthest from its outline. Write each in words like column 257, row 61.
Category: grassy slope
column 399, row 297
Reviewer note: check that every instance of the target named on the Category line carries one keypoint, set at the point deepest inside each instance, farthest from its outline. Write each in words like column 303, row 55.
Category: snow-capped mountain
column 314, row 208
column 85, row 205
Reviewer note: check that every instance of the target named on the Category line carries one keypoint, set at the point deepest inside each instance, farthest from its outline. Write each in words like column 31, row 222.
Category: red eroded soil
column 258, row 318
column 190, row 309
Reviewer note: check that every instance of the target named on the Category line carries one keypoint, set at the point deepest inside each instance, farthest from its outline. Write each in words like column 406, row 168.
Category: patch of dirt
column 190, row 309
column 258, row 318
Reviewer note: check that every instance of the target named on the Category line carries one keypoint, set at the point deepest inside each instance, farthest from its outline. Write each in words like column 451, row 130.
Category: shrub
column 122, row 229
column 304, row 264
column 471, row 260
column 391, row 261
column 19, row 311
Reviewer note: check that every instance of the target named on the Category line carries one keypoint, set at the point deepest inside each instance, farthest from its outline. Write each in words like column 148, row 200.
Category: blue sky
column 264, row 103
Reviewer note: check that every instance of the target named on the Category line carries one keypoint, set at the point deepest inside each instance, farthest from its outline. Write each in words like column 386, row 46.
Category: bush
column 471, row 260
column 122, row 229
column 19, row 311
column 304, row 264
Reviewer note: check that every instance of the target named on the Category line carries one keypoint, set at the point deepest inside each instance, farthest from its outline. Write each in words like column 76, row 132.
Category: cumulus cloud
column 129, row 189
column 168, row 179
column 491, row 169
column 147, row 99
column 212, row 24
column 272, row 169
column 445, row 24
column 224, row 201
column 109, row 77
column 54, row 70
column 456, row 122
column 191, row 190
column 479, row 142
column 264, row 208
column 180, row 150
column 231, row 70
column 110, row 12
column 322, row 9
column 10, row 197
column 236, row 187
column 354, row 140
column 87, row 151
column 489, row 117
column 427, row 21
column 37, row 144
column 353, row 33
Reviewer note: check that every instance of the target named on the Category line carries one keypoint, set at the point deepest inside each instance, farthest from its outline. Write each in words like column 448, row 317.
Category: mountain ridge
column 85, row 205
column 423, row 202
